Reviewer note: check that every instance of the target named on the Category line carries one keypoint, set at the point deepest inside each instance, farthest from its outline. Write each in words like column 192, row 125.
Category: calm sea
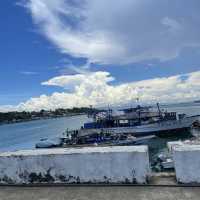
column 25, row 135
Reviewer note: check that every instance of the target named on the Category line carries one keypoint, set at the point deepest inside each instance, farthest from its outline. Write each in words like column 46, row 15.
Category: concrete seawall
column 84, row 165
column 187, row 163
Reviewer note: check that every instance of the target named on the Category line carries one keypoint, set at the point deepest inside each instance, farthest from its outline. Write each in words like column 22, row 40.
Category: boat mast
column 159, row 111
column 139, row 107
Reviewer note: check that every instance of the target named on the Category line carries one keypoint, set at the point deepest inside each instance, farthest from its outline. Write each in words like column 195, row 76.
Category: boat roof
column 134, row 109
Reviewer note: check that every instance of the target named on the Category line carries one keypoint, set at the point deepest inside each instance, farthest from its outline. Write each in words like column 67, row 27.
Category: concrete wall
column 172, row 145
column 187, row 163
column 85, row 165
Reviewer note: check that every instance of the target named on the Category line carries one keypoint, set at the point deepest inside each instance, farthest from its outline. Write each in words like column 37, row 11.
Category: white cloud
column 73, row 81
column 122, row 31
column 95, row 88
column 8, row 108
column 116, row 31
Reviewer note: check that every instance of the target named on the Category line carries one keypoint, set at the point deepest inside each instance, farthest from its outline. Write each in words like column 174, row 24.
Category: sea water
column 24, row 135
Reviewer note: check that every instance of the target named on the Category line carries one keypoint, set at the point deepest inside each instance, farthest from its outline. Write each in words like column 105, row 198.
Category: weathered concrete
column 84, row 165
column 163, row 179
column 187, row 163
column 99, row 193
column 171, row 145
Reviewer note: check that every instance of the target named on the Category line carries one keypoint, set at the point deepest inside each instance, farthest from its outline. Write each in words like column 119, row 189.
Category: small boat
column 167, row 164
column 195, row 129
column 49, row 143
column 163, row 162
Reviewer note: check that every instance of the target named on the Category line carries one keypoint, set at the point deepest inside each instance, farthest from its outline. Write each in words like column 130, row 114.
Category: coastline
column 40, row 118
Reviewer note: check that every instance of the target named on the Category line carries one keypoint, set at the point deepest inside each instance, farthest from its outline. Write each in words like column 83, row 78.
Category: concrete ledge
column 187, row 163
column 71, row 166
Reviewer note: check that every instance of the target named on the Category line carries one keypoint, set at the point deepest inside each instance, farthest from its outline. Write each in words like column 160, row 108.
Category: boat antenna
column 109, row 112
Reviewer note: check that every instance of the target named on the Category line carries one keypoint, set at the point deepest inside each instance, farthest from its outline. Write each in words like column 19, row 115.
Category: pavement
column 100, row 193
column 162, row 186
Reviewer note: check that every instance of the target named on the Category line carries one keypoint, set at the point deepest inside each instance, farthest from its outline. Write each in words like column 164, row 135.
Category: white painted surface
column 84, row 165
column 187, row 163
column 171, row 145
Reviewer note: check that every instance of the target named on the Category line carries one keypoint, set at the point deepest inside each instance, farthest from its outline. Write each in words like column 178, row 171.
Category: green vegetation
column 13, row 117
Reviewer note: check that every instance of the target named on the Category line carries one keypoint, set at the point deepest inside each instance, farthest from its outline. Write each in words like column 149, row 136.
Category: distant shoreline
column 26, row 116
column 40, row 118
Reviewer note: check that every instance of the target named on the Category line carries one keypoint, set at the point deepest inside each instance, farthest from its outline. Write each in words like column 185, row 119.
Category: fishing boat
column 131, row 126
column 139, row 121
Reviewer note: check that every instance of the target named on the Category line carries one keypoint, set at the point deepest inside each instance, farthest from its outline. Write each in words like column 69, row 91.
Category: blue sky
column 23, row 50
column 50, row 47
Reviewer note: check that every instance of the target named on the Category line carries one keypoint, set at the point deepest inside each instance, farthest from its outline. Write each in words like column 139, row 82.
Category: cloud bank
column 95, row 88
column 116, row 32
column 122, row 31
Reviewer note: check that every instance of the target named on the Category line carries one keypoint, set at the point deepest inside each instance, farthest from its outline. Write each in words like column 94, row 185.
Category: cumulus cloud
column 122, row 31
column 94, row 79
column 96, row 88
column 116, row 32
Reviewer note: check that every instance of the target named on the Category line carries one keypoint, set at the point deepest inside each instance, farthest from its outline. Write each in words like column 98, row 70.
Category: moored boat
column 140, row 121
column 131, row 126
column 49, row 143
